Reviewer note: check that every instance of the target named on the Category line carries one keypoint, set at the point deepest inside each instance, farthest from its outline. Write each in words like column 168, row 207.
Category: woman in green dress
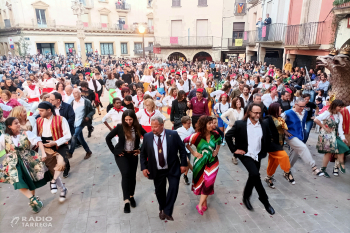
column 206, row 163
column 23, row 167
column 331, row 139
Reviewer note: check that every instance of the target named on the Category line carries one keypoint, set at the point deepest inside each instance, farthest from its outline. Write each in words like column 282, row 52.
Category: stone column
column 262, row 53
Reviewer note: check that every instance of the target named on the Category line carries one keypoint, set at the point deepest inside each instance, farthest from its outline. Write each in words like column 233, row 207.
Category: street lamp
column 142, row 30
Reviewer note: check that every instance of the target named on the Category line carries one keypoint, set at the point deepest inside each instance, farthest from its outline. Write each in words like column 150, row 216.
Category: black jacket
column 175, row 110
column 67, row 112
column 239, row 132
column 175, row 146
column 274, row 145
column 89, row 111
column 119, row 148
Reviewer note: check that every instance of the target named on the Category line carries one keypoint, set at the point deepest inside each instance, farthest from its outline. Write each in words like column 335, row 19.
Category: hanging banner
column 156, row 50
column 263, row 33
column 245, row 35
column 174, row 40
column 11, row 43
column 238, row 42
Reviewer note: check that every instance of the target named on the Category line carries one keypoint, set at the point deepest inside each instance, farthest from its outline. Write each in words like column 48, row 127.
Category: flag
column 174, row 40
column 240, row 7
column 245, row 35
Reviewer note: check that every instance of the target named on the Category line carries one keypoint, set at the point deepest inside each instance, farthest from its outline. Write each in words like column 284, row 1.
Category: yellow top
column 288, row 67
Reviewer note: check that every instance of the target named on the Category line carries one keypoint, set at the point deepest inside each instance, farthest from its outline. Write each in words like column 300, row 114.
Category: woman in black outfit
column 126, row 153
column 178, row 109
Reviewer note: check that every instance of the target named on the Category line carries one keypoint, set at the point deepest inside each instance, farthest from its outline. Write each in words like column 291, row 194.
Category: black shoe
column 65, row 174
column 247, row 204
column 186, row 180
column 270, row 210
column 132, row 202
column 127, row 208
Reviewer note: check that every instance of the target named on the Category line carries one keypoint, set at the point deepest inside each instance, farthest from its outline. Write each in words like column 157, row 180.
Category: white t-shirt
column 222, row 107
column 267, row 99
column 114, row 116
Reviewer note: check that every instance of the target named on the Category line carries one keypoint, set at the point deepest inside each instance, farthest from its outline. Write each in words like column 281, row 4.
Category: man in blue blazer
column 160, row 161
column 65, row 110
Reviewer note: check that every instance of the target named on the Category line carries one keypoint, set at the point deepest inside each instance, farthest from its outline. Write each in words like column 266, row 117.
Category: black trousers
column 166, row 200
column 254, row 180
column 128, row 166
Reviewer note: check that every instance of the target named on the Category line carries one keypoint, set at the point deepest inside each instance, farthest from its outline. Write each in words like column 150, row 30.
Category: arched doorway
column 177, row 56
column 202, row 56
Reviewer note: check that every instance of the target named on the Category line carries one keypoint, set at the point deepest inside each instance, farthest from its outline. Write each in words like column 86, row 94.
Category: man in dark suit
column 160, row 161
column 252, row 140
column 65, row 110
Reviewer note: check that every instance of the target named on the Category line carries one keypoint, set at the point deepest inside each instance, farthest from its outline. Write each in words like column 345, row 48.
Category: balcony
column 122, row 6
column 341, row 7
column 150, row 29
column 231, row 43
column 184, row 42
column 273, row 33
column 308, row 35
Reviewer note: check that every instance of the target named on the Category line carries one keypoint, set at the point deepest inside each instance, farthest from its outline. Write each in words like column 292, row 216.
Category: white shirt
column 79, row 110
column 47, row 130
column 48, row 83
column 146, row 120
column 186, row 86
column 137, row 101
column 69, row 99
column 164, row 148
column 267, row 99
column 147, row 78
column 32, row 93
column 179, row 87
column 184, row 133
column 91, row 85
column 337, row 117
column 254, row 133
column 244, row 99
column 221, row 108
column 4, row 107
column 168, row 100
column 33, row 139
column 114, row 116
column 217, row 94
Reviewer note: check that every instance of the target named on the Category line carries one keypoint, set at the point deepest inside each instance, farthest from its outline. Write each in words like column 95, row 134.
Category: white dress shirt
column 91, row 84
column 164, row 148
column 254, row 133
column 267, row 99
column 184, row 133
column 47, row 130
column 114, row 116
column 79, row 110
column 186, row 86
column 69, row 99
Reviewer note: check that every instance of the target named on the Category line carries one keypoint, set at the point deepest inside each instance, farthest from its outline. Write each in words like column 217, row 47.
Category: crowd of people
column 254, row 108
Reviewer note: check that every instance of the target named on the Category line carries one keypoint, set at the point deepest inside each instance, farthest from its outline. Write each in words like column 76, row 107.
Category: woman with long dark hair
column 331, row 139
column 206, row 163
column 22, row 166
column 178, row 109
column 11, row 87
column 277, row 156
column 126, row 154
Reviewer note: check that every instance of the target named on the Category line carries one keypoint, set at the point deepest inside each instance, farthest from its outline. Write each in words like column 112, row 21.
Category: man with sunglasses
column 252, row 140
column 296, row 119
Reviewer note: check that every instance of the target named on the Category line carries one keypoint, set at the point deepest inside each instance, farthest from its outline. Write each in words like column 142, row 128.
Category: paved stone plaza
column 94, row 202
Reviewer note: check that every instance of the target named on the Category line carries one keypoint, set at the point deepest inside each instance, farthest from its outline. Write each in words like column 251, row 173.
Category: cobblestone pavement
column 94, row 203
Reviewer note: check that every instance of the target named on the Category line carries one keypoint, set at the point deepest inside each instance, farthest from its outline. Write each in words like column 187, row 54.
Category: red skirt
column 48, row 90
column 147, row 128
column 169, row 110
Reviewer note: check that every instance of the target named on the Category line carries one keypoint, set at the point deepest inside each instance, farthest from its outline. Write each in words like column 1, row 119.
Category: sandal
column 36, row 207
column 269, row 180
column 63, row 195
column 53, row 187
column 335, row 171
column 325, row 174
column 317, row 171
column 289, row 177
column 342, row 168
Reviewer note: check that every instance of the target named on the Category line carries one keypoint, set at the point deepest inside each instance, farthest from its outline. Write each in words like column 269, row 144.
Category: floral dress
column 331, row 142
column 22, row 167
column 206, row 168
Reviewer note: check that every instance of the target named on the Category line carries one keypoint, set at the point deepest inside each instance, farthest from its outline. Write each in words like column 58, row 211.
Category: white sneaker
column 53, row 188
column 234, row 160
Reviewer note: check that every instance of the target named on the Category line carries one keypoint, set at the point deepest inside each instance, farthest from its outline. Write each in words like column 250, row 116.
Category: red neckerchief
column 120, row 88
column 119, row 109
column 149, row 116
column 174, row 96
column 32, row 87
column 140, row 101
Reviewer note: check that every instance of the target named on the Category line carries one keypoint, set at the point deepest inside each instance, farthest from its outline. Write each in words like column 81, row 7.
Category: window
column 150, row 44
column 138, row 48
column 88, row 47
column 107, row 49
column 202, row 3
column 83, row 1
column 149, row 3
column 68, row 46
column 124, row 48
column 238, row 30
column 176, row 2
column 104, row 21
column 40, row 17
column 85, row 19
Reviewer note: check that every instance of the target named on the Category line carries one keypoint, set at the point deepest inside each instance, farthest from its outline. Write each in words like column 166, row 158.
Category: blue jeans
column 78, row 135
column 308, row 126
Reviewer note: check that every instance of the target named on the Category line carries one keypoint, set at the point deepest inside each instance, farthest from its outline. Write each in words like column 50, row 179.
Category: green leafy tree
column 23, row 46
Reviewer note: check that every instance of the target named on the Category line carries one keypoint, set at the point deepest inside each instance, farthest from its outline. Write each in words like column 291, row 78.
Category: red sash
column 48, row 90
column 119, row 109
column 169, row 110
column 31, row 100
column 346, row 120
column 149, row 116
column 147, row 128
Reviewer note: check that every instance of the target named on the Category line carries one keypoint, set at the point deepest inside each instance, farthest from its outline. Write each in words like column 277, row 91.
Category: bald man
column 69, row 94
